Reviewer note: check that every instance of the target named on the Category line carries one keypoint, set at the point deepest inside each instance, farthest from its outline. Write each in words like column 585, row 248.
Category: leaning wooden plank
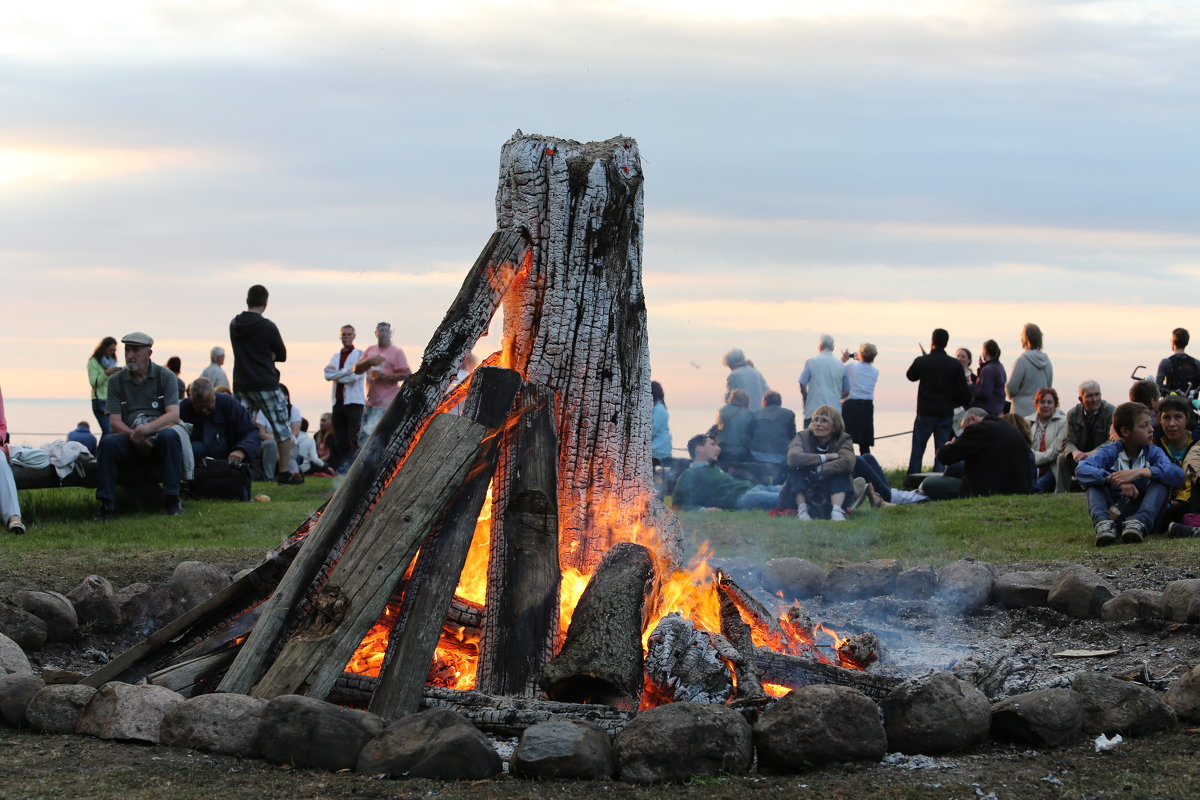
column 478, row 298
column 185, row 676
column 794, row 672
column 430, row 589
column 362, row 581
column 520, row 619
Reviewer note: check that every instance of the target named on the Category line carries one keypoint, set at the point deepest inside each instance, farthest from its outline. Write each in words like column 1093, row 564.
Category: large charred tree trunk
column 576, row 322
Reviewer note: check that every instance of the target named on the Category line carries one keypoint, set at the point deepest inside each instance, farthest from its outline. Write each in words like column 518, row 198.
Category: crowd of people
column 994, row 432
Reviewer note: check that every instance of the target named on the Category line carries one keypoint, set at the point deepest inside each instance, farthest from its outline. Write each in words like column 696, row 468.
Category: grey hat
column 138, row 339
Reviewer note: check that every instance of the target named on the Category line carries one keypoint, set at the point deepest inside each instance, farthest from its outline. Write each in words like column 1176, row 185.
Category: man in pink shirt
column 385, row 367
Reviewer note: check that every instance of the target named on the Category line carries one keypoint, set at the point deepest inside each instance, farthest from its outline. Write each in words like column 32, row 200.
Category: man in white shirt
column 347, row 400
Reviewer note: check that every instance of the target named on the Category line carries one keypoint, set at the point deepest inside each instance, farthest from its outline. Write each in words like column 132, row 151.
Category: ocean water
column 33, row 421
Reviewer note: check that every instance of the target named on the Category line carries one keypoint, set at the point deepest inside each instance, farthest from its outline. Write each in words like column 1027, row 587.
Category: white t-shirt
column 260, row 419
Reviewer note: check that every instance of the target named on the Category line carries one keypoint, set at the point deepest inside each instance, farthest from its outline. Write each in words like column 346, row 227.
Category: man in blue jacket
column 221, row 427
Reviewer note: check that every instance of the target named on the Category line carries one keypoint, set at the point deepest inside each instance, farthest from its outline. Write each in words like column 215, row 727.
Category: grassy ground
column 64, row 545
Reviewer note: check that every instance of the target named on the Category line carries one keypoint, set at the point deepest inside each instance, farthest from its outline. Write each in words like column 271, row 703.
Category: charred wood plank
column 429, row 590
column 194, row 676
column 468, row 316
column 361, row 583
column 687, row 664
column 520, row 621
column 601, row 659
column 794, row 672
column 737, row 633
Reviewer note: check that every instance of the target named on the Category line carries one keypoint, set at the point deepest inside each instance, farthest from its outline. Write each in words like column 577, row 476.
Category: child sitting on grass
column 1128, row 481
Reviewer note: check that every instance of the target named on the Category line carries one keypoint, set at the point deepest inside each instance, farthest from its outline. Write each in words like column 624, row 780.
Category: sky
column 866, row 168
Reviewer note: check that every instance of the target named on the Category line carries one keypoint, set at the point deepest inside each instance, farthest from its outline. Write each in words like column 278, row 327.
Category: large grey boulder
column 304, row 732
column 866, row 579
column 1181, row 600
column 564, row 749
column 22, row 627
column 437, row 743
column 934, row 715
column 1079, row 592
column 55, row 610
column 676, row 742
column 918, row 583
column 16, row 691
column 1133, row 604
column 126, row 712
column 1111, row 705
column 193, row 582
column 1025, row 589
column 215, row 723
column 94, row 602
column 965, row 584
column 12, row 657
column 1184, row 696
column 58, row 707
column 146, row 606
column 818, row 725
column 796, row 578
column 1044, row 718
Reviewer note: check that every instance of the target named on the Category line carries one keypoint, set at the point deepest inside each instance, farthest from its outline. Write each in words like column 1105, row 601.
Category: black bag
column 218, row 479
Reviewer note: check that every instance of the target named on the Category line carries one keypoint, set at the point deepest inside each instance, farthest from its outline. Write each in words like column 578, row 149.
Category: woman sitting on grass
column 821, row 457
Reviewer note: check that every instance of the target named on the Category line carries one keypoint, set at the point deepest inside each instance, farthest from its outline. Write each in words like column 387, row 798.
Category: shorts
column 273, row 405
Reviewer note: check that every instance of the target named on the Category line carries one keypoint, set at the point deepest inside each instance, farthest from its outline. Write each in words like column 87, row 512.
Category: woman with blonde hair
column 822, row 458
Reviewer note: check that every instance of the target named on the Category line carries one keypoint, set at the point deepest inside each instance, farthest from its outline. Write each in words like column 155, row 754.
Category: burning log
column 686, row 664
column 361, row 582
column 860, row 650
column 491, row 276
column 520, row 620
column 737, row 633
column 794, row 672
column 601, row 660
column 430, row 588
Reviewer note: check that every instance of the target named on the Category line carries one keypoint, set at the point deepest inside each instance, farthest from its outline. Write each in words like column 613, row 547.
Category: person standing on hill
column 941, row 387
column 823, row 381
column 987, row 391
column 386, row 368
column 214, row 372
column 1178, row 372
column 102, row 366
column 257, row 348
column 342, row 370
column 743, row 375
column 1031, row 373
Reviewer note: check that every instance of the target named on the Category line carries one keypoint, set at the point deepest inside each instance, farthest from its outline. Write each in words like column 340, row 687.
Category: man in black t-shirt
column 1178, row 372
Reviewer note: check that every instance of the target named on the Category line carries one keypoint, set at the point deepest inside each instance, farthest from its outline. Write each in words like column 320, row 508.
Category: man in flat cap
column 143, row 408
column 386, row 368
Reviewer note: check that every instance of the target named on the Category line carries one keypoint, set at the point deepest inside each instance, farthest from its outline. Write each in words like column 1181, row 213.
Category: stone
column 144, row 607
column 918, row 583
column 935, row 715
column 680, row 741
column 1044, row 718
column 1183, row 696
column 1181, row 600
column 796, row 578
column 94, row 602
column 437, row 743
column 12, row 657
column 309, row 733
column 57, row 708
column 215, row 723
column 965, row 584
column 564, row 749
column 1025, row 589
column 16, row 691
column 126, row 712
column 866, row 579
column 817, row 725
column 1133, row 604
column 1079, row 592
column 28, row 631
column 193, row 582
column 1111, row 705
column 55, row 610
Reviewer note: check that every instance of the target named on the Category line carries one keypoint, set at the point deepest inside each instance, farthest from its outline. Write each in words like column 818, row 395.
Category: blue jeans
column 116, row 451
column 1044, row 484
column 98, row 409
column 1147, row 507
column 868, row 468
column 760, row 498
column 941, row 428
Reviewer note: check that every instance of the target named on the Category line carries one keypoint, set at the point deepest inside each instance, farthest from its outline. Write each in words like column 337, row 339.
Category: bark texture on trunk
column 577, row 324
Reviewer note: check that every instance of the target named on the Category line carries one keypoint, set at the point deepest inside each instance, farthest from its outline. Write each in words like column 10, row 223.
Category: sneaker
column 802, row 513
column 172, row 506
column 1106, row 533
column 1177, row 530
column 15, row 525
column 860, row 492
column 837, row 515
column 1133, row 532
column 289, row 479
column 108, row 512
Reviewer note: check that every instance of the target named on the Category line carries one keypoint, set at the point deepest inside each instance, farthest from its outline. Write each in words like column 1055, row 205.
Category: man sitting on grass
column 1128, row 481
column 705, row 485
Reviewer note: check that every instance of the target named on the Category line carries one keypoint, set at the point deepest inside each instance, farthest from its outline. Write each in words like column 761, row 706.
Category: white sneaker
column 802, row 513
column 837, row 515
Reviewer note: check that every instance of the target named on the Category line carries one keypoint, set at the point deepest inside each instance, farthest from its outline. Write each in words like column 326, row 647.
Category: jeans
column 1044, row 484
column 98, row 409
column 346, row 420
column 868, row 468
column 370, row 419
column 941, row 428
column 1146, row 508
column 116, row 451
column 760, row 498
